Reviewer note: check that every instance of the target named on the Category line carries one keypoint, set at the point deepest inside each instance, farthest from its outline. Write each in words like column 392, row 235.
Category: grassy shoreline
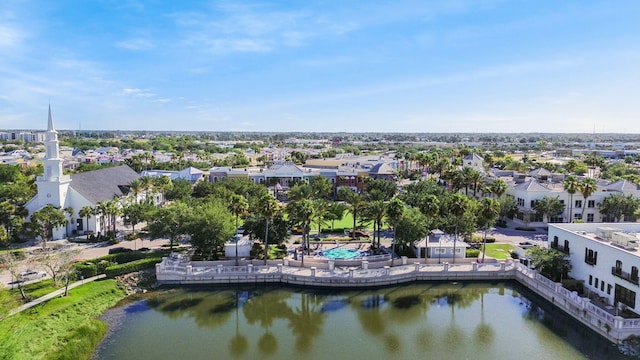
column 62, row 328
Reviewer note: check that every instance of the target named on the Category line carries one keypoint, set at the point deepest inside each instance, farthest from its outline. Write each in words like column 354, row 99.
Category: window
column 591, row 203
column 590, row 279
column 577, row 216
column 533, row 203
column 634, row 273
column 441, row 251
column 595, row 283
column 625, row 296
column 609, row 289
column 520, row 202
column 458, row 251
column 79, row 224
column 562, row 202
column 578, row 204
column 602, row 286
column 590, row 256
column 589, row 217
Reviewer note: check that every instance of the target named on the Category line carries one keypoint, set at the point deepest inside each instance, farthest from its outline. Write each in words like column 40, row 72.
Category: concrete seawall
column 613, row 328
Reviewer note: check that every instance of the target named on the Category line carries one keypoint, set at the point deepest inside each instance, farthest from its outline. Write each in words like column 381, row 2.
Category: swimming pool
column 341, row 253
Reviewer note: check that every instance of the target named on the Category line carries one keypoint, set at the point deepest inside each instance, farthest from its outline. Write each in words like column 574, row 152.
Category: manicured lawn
column 62, row 328
column 345, row 223
column 499, row 251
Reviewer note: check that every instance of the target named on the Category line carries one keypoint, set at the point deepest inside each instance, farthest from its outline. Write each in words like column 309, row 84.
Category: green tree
column 170, row 221
column 45, row 220
column 301, row 212
column 498, row 187
column 571, row 186
column 238, row 207
column 180, row 189
column 488, row 212
column 210, row 226
column 335, row 211
column 267, row 207
column 549, row 206
column 135, row 213
column 549, row 262
column 587, row 187
column 456, row 206
column 411, row 227
column 617, row 207
column 85, row 213
column 321, row 186
column 375, row 212
column 394, row 211
column 355, row 202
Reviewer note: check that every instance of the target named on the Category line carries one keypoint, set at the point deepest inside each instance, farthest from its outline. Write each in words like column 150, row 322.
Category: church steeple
column 50, row 127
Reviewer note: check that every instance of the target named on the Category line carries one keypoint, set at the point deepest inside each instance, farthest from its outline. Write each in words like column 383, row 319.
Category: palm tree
column 394, row 211
column 354, row 200
column 238, row 206
column 587, row 187
column 147, row 184
column 458, row 205
column 375, row 212
column 549, row 207
column 135, row 187
column 86, row 212
column 571, row 185
column 488, row 212
column 498, row 187
column 267, row 207
column 69, row 211
column 302, row 212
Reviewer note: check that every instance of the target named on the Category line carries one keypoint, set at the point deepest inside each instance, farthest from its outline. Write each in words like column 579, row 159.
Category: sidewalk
column 54, row 294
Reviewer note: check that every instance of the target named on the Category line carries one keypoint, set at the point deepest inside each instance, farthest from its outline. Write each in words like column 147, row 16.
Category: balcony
column 632, row 278
column 560, row 248
column 590, row 260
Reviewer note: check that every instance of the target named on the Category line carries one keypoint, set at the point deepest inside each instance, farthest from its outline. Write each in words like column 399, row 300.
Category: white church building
column 77, row 190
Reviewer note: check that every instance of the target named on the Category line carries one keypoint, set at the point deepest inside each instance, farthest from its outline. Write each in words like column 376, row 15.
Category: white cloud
column 10, row 36
column 135, row 44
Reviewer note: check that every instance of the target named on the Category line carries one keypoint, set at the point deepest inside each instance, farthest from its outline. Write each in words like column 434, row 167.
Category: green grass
column 62, row 328
column 345, row 223
column 499, row 251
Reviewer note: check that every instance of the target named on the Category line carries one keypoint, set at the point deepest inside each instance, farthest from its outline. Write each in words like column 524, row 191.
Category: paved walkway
column 54, row 294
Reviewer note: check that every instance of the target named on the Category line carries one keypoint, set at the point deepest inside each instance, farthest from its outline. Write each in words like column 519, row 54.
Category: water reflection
column 456, row 320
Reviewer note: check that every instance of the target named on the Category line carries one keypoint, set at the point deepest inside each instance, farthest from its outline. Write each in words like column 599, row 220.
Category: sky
column 322, row 66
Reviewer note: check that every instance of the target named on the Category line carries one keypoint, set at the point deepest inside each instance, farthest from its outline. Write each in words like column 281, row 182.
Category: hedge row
column 116, row 270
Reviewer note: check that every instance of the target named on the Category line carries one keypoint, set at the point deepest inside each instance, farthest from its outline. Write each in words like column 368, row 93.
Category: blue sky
column 355, row 66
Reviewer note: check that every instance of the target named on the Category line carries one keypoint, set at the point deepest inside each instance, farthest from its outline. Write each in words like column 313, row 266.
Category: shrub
column 472, row 253
column 131, row 236
column 491, row 240
column 501, row 223
column 116, row 270
column 87, row 270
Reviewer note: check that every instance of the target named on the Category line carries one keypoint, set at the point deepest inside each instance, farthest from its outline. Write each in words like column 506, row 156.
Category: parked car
column 32, row 275
column 116, row 250
column 358, row 234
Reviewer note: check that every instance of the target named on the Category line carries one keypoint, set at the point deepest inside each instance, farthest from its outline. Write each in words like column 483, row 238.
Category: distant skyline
column 334, row 66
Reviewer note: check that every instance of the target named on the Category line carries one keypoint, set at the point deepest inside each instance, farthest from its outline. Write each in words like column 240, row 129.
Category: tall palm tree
column 571, row 186
column 587, row 187
column 267, row 207
column 458, row 205
column 86, row 212
column 69, row 212
column 498, row 187
column 394, row 211
column 488, row 212
column 354, row 200
column 135, row 188
column 239, row 207
column 375, row 212
column 146, row 182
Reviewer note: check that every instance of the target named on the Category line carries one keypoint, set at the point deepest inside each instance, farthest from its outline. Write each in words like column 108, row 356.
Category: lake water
column 419, row 321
